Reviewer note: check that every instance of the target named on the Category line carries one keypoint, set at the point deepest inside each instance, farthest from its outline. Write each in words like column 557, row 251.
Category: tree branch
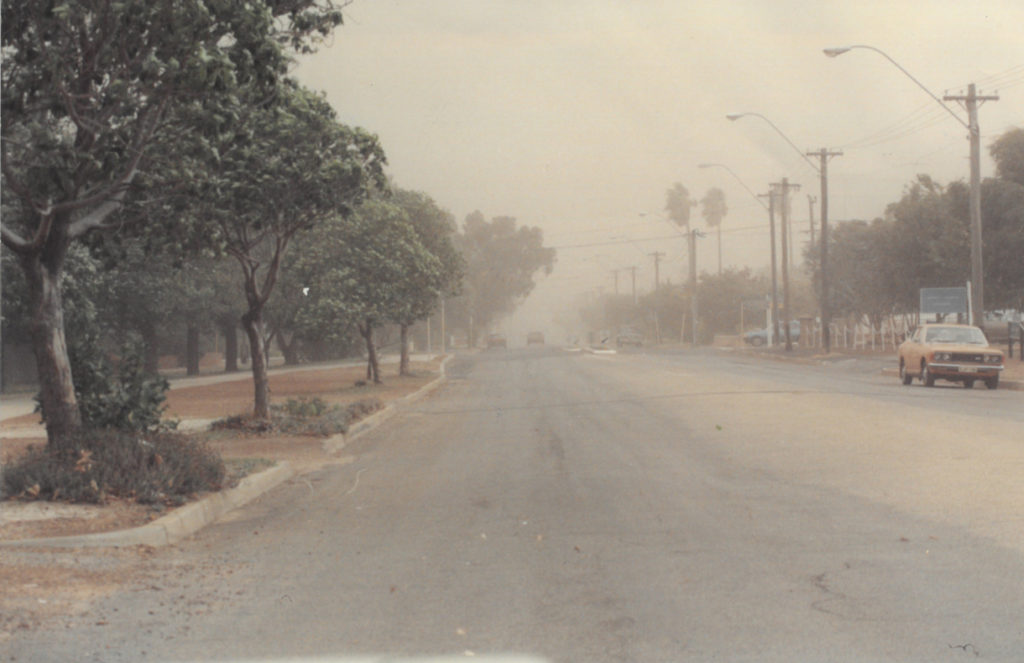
column 14, row 242
column 111, row 198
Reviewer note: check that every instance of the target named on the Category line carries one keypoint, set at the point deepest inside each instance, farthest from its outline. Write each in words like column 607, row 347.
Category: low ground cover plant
column 152, row 468
column 304, row 416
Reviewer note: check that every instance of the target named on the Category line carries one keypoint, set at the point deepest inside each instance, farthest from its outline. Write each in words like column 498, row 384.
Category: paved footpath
column 17, row 405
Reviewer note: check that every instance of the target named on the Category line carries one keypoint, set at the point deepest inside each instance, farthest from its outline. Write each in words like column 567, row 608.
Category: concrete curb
column 1012, row 385
column 336, row 443
column 178, row 524
column 191, row 518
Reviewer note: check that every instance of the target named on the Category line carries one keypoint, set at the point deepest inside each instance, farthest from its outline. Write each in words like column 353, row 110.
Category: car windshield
column 964, row 335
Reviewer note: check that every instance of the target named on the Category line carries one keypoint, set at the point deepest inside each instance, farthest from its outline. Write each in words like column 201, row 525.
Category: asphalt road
column 634, row 507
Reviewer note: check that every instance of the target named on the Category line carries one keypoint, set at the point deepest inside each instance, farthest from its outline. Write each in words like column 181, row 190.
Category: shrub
column 303, row 417
column 160, row 467
column 304, row 407
column 124, row 397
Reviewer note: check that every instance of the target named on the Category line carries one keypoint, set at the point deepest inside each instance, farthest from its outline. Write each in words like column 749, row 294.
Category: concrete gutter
column 190, row 518
column 336, row 443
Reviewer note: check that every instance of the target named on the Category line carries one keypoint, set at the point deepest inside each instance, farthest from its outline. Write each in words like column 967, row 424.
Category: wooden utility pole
column 810, row 214
column 775, row 283
column 826, row 312
column 784, row 188
column 657, row 255
column 970, row 102
column 692, row 237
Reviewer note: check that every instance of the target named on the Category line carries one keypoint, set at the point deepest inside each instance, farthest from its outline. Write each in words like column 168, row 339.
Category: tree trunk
column 151, row 348
column 372, row 365
column 192, row 350
column 252, row 323
column 56, row 386
column 289, row 350
column 230, row 330
column 403, row 361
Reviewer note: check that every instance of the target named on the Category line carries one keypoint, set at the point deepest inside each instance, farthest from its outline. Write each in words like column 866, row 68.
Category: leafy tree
column 361, row 268
column 289, row 167
column 1002, row 209
column 87, row 87
column 1008, row 152
column 863, row 268
column 434, row 229
column 501, row 261
column 721, row 296
column 713, row 209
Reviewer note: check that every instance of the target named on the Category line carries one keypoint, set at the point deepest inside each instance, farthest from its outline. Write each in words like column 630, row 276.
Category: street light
column 971, row 99
column 732, row 117
column 737, row 178
column 822, row 171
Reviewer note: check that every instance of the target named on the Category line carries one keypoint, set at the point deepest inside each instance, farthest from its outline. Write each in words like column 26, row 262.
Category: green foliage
column 124, row 397
column 304, row 417
column 924, row 241
column 304, row 407
column 95, row 465
column 89, row 90
column 1008, row 153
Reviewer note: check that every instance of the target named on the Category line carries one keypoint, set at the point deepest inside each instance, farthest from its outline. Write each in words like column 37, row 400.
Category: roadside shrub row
column 160, row 467
column 304, row 416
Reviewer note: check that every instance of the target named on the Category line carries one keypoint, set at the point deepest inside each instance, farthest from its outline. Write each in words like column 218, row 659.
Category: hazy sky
column 577, row 115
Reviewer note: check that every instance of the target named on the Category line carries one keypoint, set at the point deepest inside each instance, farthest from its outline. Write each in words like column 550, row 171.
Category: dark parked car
column 629, row 336
column 496, row 341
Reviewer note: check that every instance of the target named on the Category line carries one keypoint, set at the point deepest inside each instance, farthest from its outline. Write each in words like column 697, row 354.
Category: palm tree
column 678, row 204
column 713, row 209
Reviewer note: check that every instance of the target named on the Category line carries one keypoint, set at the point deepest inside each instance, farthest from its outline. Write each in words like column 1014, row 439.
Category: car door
column 912, row 354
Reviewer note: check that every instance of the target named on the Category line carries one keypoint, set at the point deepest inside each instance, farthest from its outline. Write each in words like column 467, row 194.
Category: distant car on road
column 535, row 338
column 629, row 336
column 759, row 337
column 496, row 341
column 957, row 353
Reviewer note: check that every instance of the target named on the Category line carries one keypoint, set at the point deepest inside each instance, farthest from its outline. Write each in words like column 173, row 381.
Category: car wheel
column 756, row 341
column 968, row 384
column 926, row 377
column 905, row 376
column 992, row 383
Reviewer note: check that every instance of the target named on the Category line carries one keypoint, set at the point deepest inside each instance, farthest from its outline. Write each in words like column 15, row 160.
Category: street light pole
column 970, row 101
